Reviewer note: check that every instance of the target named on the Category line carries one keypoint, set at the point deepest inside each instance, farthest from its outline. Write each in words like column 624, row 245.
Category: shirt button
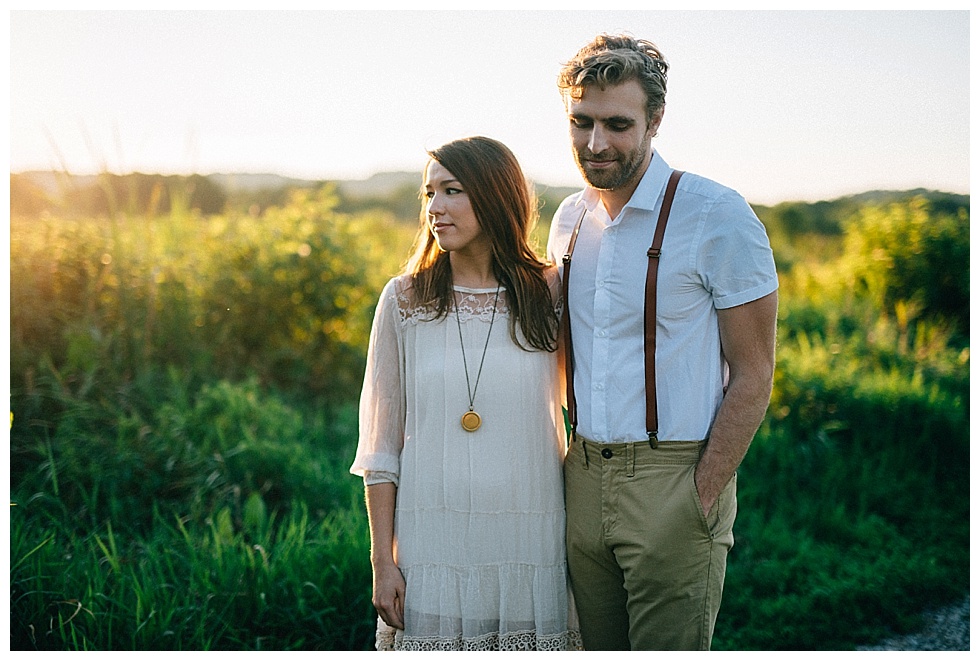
column 606, row 453
column 601, row 333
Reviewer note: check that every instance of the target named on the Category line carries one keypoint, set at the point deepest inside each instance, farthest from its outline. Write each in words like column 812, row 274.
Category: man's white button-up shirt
column 715, row 255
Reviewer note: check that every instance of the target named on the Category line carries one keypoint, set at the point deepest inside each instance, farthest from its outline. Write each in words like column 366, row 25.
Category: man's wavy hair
column 615, row 59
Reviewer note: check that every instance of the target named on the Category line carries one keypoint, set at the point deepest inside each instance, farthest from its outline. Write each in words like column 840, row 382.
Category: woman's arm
column 381, row 434
column 389, row 584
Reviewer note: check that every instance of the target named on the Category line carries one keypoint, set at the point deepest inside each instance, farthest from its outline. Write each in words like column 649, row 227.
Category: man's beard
column 626, row 170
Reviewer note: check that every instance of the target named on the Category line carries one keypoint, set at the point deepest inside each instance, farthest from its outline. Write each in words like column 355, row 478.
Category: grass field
column 183, row 402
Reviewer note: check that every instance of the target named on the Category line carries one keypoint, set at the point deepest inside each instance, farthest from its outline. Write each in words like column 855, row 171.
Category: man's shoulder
column 570, row 208
column 572, row 200
column 708, row 198
column 705, row 188
column 562, row 222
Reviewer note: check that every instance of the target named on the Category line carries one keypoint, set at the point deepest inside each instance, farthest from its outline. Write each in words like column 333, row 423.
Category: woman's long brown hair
column 504, row 206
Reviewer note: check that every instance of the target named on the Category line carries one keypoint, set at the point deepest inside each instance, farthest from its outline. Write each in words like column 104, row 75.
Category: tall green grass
column 225, row 520
column 264, row 583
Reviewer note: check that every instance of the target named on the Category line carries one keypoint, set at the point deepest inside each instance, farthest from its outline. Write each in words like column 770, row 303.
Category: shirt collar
column 647, row 192
column 654, row 181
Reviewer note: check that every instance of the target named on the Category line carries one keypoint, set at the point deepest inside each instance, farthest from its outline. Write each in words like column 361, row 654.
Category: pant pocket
column 721, row 518
column 695, row 499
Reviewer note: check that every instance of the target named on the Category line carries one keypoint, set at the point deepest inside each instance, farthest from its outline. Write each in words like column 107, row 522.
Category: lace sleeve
column 381, row 418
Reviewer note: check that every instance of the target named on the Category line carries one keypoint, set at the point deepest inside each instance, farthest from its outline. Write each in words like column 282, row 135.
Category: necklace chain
column 471, row 393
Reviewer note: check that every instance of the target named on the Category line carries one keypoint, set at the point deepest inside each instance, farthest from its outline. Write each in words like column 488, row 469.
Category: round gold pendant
column 470, row 421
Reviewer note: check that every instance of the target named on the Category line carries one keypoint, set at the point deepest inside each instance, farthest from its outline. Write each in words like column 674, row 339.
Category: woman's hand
column 389, row 594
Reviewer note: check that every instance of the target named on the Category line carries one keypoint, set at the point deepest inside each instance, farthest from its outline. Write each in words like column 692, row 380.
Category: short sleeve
column 735, row 258
column 381, row 413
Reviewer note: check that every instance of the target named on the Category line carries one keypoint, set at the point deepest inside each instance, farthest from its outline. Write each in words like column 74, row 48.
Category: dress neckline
column 480, row 290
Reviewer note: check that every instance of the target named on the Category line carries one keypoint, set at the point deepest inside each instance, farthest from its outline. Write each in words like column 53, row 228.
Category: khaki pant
column 647, row 567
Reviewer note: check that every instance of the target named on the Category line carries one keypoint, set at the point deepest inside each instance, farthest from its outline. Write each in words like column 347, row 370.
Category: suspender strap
column 566, row 327
column 650, row 310
column 649, row 315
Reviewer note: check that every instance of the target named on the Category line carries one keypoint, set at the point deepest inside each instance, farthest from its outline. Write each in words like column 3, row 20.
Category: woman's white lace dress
column 480, row 517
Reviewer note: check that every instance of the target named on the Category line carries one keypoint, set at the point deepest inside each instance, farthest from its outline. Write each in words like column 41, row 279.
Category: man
column 650, row 511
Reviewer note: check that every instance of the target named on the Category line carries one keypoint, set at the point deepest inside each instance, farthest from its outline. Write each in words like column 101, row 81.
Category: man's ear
column 654, row 124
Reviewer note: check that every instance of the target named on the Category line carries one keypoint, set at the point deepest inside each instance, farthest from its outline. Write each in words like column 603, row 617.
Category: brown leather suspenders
column 649, row 315
column 566, row 327
column 650, row 310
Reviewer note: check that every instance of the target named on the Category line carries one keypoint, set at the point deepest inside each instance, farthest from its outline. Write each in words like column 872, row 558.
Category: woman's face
column 450, row 214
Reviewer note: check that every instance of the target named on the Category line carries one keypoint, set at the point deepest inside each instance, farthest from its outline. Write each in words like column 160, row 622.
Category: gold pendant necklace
column 471, row 420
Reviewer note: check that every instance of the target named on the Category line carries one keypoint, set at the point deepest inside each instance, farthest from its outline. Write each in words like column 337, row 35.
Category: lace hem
column 389, row 640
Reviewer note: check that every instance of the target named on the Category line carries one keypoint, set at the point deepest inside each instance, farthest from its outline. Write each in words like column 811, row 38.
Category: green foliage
column 293, row 297
column 402, row 203
column 851, row 498
column 807, row 232
column 799, row 218
column 841, row 520
column 226, row 520
column 287, row 296
column 183, row 400
column 909, row 255
column 794, row 576
column 191, row 452
column 294, row 584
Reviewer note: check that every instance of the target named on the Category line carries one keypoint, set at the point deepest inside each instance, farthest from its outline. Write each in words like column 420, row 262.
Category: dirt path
column 945, row 629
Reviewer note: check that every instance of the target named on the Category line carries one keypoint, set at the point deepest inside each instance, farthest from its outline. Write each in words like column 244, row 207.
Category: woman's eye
column 453, row 191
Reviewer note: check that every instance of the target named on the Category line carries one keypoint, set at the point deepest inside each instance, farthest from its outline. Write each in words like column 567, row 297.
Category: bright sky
column 781, row 105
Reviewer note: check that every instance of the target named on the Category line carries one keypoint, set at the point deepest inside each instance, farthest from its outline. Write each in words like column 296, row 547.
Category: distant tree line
column 154, row 194
column 135, row 193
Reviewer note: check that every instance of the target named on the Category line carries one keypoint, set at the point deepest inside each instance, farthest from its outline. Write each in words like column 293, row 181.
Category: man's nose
column 597, row 139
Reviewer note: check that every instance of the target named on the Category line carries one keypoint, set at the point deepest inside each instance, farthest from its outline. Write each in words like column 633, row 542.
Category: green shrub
column 909, row 253
column 287, row 296
column 191, row 453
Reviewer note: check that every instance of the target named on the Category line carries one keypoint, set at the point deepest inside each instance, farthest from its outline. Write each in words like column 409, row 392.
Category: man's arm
column 748, row 340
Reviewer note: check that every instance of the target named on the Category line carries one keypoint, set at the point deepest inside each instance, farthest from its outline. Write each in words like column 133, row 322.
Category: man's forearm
column 748, row 341
column 735, row 426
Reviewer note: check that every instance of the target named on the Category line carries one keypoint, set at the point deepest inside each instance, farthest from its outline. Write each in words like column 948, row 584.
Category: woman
column 461, row 432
